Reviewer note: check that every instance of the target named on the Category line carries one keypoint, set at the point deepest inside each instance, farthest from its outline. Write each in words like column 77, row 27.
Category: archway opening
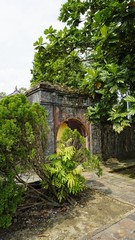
column 76, row 124
column 61, row 130
column 73, row 124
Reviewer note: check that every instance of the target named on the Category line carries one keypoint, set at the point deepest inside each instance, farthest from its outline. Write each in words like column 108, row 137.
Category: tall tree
column 100, row 34
column 57, row 60
column 107, row 33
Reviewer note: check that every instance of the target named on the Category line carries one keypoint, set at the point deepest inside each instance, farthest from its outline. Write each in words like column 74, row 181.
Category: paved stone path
column 123, row 189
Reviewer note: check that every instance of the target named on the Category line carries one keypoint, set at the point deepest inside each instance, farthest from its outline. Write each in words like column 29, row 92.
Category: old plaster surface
column 69, row 107
column 64, row 106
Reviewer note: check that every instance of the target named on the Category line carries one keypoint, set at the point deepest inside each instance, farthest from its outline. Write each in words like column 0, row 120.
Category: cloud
column 21, row 24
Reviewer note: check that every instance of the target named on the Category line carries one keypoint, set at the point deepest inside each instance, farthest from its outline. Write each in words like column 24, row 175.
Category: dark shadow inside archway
column 73, row 124
column 76, row 124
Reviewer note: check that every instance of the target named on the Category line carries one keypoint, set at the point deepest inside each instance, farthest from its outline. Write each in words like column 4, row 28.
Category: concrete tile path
column 123, row 189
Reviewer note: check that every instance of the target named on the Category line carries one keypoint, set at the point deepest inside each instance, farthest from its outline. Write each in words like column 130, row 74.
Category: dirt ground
column 91, row 211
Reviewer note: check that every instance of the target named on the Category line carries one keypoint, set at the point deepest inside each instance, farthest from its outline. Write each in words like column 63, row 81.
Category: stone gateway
column 67, row 108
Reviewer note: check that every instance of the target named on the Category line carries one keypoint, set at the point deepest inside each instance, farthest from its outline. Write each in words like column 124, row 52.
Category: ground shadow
column 97, row 185
column 123, row 167
column 29, row 218
column 129, row 171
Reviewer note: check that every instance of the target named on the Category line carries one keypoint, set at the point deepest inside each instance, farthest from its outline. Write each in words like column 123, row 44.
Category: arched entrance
column 63, row 109
column 73, row 124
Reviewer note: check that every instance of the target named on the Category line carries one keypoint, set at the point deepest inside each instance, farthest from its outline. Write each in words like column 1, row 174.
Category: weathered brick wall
column 62, row 105
column 121, row 145
column 95, row 138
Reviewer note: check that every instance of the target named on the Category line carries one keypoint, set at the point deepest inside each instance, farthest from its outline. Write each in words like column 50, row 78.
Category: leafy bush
column 66, row 166
column 10, row 198
column 22, row 129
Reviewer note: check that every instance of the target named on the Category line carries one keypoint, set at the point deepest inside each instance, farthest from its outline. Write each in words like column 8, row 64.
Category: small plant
column 66, row 166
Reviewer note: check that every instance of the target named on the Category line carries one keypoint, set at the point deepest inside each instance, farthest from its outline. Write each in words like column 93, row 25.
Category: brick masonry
column 68, row 106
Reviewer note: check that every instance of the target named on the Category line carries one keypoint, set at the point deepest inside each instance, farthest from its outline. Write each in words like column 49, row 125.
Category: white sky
column 22, row 22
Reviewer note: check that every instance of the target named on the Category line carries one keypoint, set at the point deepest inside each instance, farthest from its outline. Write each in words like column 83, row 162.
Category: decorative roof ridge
column 16, row 91
column 55, row 87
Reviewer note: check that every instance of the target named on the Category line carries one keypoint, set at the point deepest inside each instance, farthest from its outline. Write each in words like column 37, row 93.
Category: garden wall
column 68, row 107
column 116, row 145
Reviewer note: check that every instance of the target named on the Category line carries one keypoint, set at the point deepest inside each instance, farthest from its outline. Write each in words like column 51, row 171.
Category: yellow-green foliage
column 66, row 166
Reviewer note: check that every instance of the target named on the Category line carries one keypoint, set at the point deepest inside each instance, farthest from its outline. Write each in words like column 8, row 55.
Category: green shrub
column 10, row 198
column 66, row 166
column 22, row 130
